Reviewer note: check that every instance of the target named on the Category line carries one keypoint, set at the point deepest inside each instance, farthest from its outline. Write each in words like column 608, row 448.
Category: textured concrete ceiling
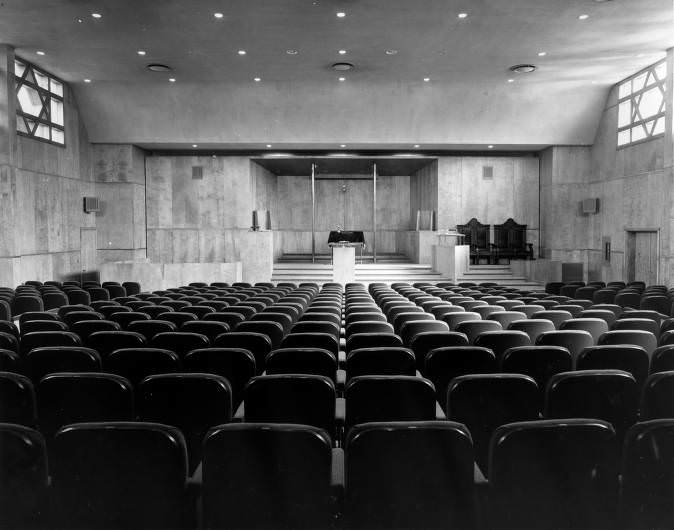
column 617, row 39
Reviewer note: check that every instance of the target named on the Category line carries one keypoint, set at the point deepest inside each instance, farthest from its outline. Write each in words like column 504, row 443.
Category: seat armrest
column 240, row 414
column 340, row 411
column 341, row 358
column 341, row 379
column 337, row 477
column 439, row 413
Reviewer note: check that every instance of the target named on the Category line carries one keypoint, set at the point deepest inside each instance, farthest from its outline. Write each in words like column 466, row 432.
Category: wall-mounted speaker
column 197, row 172
column 590, row 206
column 91, row 205
column 487, row 172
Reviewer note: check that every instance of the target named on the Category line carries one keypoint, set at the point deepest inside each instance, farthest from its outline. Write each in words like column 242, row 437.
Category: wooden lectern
column 343, row 245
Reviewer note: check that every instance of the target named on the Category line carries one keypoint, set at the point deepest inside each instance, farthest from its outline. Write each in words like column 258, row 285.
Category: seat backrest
column 190, row 401
column 17, row 400
column 48, row 338
column 553, row 474
column 326, row 341
column 274, row 399
column 302, row 361
column 500, row 341
column 409, row 475
column 105, row 342
column 645, row 339
column 135, row 364
column 484, row 402
column 662, row 359
column 65, row 398
column 424, row 342
column 389, row 398
column 594, row 326
column 629, row 358
column 473, row 328
column 23, row 473
column 573, row 340
column 270, row 458
column 119, row 475
column 256, row 343
column 380, row 361
column 609, row 395
column 648, row 475
column 180, row 342
column 237, row 365
column 42, row 361
column 656, row 401
column 538, row 362
column 372, row 340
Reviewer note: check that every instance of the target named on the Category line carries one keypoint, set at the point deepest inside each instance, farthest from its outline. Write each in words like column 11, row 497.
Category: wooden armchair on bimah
column 510, row 242
column 477, row 237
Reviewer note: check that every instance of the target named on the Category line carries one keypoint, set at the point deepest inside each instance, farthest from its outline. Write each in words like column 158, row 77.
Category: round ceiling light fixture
column 155, row 67
column 342, row 67
column 523, row 68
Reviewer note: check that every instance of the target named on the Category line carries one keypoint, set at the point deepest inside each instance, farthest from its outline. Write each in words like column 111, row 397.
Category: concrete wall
column 463, row 193
column 346, row 202
column 41, row 191
column 207, row 219
column 119, row 172
column 634, row 188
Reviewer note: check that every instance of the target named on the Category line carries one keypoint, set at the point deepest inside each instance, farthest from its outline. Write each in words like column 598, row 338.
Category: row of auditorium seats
column 636, row 295
column 380, row 354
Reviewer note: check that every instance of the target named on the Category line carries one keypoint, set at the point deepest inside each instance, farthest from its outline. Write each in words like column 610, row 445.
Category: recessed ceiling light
column 241, row 52
column 342, row 52
column 583, row 17
column 257, row 79
column 268, row 146
column 542, row 54
column 87, row 80
column 342, row 79
column 342, row 146
column 40, row 52
column 218, row 15
column 195, row 145
column 462, row 15
column 417, row 146
column 341, row 14
column 292, row 52
column 391, row 52
column 154, row 67
column 79, row 20
column 342, row 67
column 427, row 79
column 523, row 68
column 511, row 80
column 490, row 147
column 141, row 52
column 96, row 15
column 172, row 79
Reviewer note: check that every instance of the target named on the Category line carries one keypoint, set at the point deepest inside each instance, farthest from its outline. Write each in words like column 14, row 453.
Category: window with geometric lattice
column 641, row 105
column 39, row 104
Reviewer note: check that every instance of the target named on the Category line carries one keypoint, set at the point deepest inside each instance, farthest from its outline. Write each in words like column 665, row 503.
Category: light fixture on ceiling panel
column 523, row 68
column 342, row 67
column 156, row 67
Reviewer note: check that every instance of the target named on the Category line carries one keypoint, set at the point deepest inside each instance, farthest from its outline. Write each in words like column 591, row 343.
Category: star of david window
column 39, row 104
column 641, row 105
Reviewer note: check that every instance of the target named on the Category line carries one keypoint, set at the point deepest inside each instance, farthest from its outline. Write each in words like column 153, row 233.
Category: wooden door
column 642, row 256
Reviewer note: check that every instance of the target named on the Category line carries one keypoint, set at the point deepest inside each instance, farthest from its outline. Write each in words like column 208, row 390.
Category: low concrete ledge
column 159, row 276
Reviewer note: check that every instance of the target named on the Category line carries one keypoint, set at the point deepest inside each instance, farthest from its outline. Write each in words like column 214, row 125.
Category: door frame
column 632, row 230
